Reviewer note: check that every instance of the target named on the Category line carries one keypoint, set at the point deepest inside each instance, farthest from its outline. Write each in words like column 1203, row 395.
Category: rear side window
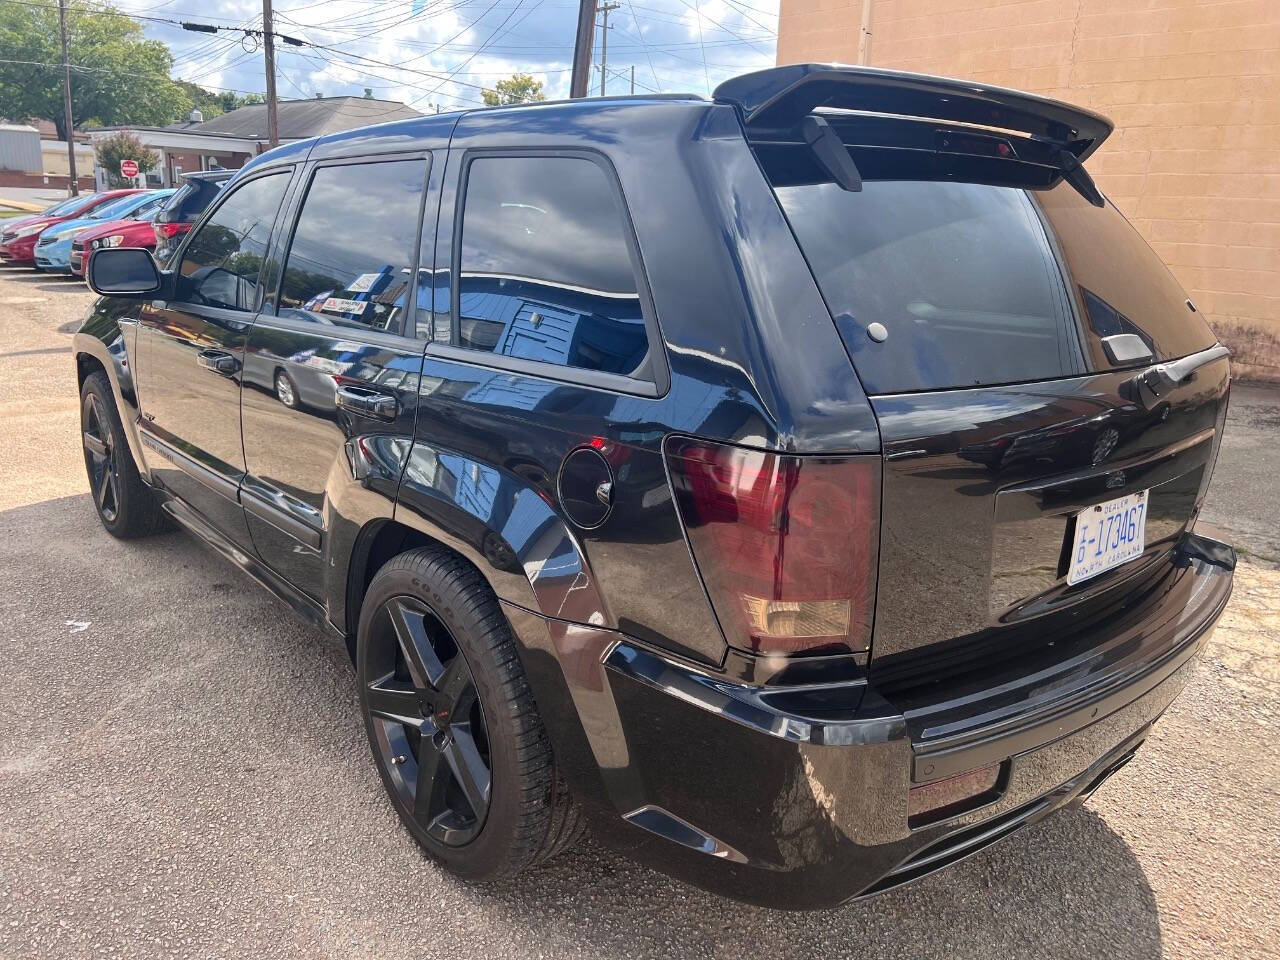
column 960, row 276
column 1122, row 285
column 352, row 252
column 545, row 271
column 220, row 263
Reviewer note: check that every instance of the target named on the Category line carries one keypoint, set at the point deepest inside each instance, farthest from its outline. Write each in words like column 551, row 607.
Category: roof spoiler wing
column 776, row 102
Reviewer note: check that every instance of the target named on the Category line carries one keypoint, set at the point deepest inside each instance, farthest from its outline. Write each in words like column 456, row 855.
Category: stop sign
column 128, row 168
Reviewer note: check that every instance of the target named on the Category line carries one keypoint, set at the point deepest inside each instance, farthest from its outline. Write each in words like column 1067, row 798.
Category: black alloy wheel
column 100, row 459
column 455, row 733
column 428, row 724
column 126, row 506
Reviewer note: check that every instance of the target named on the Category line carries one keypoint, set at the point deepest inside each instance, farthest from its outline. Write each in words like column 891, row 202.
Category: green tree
column 123, row 146
column 521, row 88
column 119, row 77
column 209, row 104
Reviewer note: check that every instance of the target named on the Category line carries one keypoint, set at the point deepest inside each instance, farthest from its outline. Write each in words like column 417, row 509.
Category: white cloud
column 453, row 48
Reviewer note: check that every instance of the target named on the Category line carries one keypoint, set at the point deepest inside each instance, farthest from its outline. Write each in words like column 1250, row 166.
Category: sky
column 441, row 53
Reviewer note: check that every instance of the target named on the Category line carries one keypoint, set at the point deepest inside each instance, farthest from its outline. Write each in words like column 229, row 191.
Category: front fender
column 506, row 527
column 108, row 336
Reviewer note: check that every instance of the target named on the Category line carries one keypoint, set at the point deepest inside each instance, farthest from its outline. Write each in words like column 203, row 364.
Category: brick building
column 1192, row 85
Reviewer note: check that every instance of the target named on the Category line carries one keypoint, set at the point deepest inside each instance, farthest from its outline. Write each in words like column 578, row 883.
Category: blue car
column 53, row 248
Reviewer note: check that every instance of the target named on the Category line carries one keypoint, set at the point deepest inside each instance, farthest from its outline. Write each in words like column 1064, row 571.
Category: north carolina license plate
column 1108, row 534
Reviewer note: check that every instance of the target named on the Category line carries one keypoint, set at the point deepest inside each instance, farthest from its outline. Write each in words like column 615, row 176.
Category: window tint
column 959, row 274
column 1123, row 285
column 114, row 209
column 220, row 265
column 352, row 251
column 545, row 270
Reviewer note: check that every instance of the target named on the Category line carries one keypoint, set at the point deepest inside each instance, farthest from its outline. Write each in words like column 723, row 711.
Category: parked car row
column 61, row 238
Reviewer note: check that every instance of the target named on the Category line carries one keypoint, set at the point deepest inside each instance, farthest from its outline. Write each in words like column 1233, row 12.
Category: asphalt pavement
column 183, row 772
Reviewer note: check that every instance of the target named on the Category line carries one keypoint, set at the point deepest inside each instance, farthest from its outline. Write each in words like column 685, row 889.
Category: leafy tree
column 119, row 77
column 521, row 88
column 123, row 146
column 209, row 104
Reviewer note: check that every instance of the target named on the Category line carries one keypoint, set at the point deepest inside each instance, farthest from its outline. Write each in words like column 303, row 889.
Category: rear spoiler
column 775, row 105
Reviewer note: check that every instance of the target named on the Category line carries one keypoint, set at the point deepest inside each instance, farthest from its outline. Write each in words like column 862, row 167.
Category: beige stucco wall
column 1192, row 85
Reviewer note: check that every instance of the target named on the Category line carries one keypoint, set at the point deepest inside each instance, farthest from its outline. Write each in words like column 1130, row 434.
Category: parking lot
column 184, row 772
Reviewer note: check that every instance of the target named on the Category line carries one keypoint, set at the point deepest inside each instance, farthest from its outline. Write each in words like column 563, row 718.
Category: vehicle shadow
column 168, row 640
column 1067, row 887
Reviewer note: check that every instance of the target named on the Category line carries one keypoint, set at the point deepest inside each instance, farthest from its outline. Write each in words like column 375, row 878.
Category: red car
column 18, row 241
column 115, row 233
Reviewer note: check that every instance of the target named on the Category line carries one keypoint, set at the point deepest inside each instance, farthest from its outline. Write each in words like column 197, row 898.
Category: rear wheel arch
column 378, row 543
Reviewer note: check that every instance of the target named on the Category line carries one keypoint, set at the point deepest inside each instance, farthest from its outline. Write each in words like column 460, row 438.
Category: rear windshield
column 189, row 201
column 1120, row 284
column 964, row 280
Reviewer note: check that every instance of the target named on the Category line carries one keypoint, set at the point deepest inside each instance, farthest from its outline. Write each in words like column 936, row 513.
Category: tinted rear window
column 960, row 275
column 190, row 200
column 1122, row 286
column 964, row 279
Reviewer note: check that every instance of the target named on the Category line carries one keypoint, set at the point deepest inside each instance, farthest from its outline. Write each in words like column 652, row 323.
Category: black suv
column 798, row 486
column 184, row 208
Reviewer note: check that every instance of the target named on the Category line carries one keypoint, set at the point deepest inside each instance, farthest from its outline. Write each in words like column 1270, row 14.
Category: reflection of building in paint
column 552, row 323
column 528, row 517
column 475, row 488
column 520, row 393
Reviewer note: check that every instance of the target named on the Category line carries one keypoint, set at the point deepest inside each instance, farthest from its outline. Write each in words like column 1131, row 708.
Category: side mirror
column 124, row 272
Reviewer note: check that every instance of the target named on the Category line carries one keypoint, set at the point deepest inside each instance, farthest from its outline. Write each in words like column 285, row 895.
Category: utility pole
column 269, row 49
column 581, row 76
column 864, row 34
column 66, row 101
column 633, row 79
column 604, row 41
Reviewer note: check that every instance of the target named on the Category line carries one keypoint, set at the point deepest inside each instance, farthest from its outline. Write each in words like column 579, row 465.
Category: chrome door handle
column 218, row 362
column 367, row 403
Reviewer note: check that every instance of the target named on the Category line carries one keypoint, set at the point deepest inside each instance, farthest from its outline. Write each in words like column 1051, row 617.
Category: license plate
column 1108, row 534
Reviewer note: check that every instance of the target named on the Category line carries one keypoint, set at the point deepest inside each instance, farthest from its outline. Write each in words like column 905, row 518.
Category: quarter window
column 350, row 261
column 221, row 263
column 545, row 272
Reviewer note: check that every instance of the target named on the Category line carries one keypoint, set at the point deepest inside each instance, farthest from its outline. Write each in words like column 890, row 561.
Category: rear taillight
column 786, row 545
column 165, row 230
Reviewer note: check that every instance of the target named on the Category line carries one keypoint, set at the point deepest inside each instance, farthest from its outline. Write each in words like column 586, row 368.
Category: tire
column 430, row 626
column 286, row 389
column 126, row 506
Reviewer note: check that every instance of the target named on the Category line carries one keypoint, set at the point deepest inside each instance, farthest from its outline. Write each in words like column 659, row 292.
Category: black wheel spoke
column 104, row 488
column 454, row 688
column 394, row 702
column 429, row 794
column 427, row 722
column 95, row 446
column 419, row 654
column 468, row 768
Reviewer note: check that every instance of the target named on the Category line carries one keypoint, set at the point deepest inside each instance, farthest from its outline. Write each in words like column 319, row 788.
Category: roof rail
column 775, row 102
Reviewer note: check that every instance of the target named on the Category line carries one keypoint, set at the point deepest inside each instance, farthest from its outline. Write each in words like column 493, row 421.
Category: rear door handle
column 218, row 362
column 367, row 403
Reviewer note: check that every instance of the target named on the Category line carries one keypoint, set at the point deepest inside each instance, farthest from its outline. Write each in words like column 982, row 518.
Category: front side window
column 220, row 264
column 545, row 272
column 351, row 258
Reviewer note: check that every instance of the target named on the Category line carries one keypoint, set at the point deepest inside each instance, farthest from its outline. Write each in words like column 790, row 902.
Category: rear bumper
column 743, row 791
